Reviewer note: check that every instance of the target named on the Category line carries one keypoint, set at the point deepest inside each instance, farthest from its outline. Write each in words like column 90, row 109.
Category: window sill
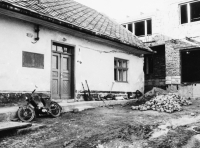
column 144, row 35
column 121, row 81
column 190, row 23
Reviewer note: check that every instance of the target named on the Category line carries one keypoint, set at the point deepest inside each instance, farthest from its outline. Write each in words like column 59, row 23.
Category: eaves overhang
column 33, row 17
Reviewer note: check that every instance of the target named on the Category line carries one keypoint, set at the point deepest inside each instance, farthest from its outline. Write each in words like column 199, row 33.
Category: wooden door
column 65, row 76
column 55, row 75
column 61, row 76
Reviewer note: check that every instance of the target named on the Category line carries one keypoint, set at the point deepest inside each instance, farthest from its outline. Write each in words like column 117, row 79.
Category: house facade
column 57, row 45
column 174, row 34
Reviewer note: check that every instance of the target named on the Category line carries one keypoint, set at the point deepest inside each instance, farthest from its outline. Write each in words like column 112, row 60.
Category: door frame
column 73, row 68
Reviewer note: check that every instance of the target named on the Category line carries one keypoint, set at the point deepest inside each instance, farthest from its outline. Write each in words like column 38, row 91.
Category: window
column 140, row 28
column 62, row 48
column 33, row 60
column 190, row 70
column 190, row 12
column 143, row 28
column 120, row 70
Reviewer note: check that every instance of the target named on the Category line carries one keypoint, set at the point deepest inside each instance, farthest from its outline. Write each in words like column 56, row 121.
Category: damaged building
column 173, row 33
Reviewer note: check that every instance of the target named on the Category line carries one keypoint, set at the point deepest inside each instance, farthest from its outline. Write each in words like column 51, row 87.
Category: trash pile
column 164, row 103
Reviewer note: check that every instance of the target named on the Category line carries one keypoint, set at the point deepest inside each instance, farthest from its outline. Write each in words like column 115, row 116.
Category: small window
column 33, row 60
column 192, row 15
column 130, row 27
column 120, row 70
column 124, row 26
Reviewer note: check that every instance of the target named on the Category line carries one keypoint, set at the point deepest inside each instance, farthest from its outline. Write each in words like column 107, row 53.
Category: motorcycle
column 32, row 109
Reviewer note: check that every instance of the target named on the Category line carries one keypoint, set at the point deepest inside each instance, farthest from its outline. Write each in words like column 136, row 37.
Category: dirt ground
column 120, row 127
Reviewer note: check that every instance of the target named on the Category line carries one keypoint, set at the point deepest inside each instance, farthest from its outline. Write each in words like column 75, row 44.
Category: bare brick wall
column 158, row 63
column 172, row 60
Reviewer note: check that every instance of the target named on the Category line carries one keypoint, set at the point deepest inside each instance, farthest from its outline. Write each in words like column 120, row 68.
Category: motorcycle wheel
column 55, row 109
column 26, row 113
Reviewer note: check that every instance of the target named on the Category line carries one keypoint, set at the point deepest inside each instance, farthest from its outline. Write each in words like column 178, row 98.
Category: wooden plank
column 13, row 125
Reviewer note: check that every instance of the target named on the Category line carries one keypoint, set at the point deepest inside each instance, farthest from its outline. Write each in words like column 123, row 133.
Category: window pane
column 130, row 27
column 115, row 74
column 124, row 75
column 149, row 27
column 195, row 11
column 119, row 63
column 55, row 62
column 124, row 26
column 65, row 63
column 115, row 62
column 59, row 48
column 54, row 47
column 124, row 64
column 120, row 75
column 67, row 50
column 184, row 18
column 140, row 28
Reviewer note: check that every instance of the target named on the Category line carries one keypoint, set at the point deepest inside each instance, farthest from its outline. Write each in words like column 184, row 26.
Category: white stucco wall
column 97, row 68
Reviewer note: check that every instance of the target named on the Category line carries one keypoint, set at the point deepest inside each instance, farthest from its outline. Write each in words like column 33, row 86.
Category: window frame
column 145, row 26
column 118, row 68
column 188, row 8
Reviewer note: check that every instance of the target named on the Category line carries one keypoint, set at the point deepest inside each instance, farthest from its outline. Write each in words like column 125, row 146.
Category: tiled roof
column 74, row 13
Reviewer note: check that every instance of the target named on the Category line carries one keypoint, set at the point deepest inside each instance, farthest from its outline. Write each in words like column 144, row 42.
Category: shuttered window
column 32, row 60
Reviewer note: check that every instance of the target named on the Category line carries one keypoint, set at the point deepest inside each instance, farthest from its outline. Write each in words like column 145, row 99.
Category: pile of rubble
column 164, row 103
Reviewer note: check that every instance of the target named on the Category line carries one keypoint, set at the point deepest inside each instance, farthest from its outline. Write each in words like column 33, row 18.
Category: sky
column 121, row 10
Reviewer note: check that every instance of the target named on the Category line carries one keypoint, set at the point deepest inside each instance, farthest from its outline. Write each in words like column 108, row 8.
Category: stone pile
column 164, row 103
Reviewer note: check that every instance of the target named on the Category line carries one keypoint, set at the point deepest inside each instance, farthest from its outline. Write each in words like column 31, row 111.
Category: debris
column 164, row 103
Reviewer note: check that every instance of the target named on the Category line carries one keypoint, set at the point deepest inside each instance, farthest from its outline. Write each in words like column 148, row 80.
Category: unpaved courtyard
column 120, row 127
